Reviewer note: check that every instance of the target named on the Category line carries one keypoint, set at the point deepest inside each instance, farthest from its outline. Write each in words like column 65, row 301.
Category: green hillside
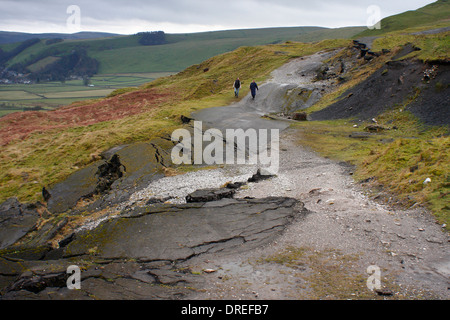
column 124, row 54
column 120, row 57
column 431, row 16
column 14, row 37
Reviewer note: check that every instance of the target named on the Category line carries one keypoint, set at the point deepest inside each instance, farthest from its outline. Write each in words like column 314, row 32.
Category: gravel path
column 409, row 247
column 344, row 234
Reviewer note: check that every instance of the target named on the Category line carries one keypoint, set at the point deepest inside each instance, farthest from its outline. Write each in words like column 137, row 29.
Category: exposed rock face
column 108, row 173
column 217, row 226
column 300, row 116
column 138, row 256
column 16, row 220
column 394, row 83
column 258, row 176
column 185, row 120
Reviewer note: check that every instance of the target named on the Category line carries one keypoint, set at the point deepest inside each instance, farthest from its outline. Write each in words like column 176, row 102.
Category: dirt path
column 293, row 78
column 327, row 253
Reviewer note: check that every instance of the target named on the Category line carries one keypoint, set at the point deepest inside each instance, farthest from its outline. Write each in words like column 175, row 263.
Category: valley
column 51, row 95
column 120, row 56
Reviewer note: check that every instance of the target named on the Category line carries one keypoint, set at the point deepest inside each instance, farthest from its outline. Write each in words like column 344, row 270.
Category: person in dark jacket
column 253, row 88
column 237, row 86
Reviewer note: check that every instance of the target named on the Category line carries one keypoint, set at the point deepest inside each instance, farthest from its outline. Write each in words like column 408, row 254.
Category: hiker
column 237, row 86
column 253, row 88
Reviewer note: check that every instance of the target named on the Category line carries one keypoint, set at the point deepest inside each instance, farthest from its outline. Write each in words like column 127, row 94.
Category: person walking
column 253, row 88
column 237, row 86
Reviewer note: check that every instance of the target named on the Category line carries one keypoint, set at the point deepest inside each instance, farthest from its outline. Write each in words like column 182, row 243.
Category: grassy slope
column 124, row 54
column 433, row 47
column 7, row 37
column 48, row 156
column 428, row 16
column 390, row 163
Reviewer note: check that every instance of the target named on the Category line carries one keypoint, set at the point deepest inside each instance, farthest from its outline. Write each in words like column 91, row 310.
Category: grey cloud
column 101, row 14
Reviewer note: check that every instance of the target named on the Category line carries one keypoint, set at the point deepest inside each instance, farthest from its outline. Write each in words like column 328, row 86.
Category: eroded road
column 309, row 232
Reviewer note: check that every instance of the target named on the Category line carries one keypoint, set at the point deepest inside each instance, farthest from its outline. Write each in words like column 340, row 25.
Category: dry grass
column 399, row 167
column 328, row 274
column 48, row 155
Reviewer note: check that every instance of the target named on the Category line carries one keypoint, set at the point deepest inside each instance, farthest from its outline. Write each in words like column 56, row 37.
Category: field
column 22, row 97
column 183, row 51
column 125, row 63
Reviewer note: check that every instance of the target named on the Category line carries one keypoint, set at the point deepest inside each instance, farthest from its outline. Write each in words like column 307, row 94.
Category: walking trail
column 344, row 232
column 327, row 252
column 309, row 232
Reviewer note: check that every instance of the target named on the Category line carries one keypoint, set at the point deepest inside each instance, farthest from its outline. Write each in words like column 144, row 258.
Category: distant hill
column 13, row 37
column 125, row 54
column 432, row 14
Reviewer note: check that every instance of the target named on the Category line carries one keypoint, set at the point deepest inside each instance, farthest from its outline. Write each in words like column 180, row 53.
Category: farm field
column 46, row 96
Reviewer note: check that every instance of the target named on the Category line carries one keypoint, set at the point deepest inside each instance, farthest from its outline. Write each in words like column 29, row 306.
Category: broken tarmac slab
column 130, row 167
column 207, row 195
column 178, row 232
column 139, row 253
column 16, row 220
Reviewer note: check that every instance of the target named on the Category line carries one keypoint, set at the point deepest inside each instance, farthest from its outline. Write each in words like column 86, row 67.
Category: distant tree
column 152, row 38
column 77, row 63
column 5, row 56
column 53, row 41
column 86, row 81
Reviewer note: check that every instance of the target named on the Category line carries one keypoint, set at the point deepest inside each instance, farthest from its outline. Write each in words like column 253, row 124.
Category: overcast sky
column 185, row 16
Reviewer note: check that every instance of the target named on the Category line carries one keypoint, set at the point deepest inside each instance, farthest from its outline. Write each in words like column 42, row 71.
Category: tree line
column 77, row 63
column 6, row 55
column 152, row 38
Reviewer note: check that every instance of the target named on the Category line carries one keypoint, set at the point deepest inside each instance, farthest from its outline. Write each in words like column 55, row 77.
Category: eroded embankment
column 421, row 87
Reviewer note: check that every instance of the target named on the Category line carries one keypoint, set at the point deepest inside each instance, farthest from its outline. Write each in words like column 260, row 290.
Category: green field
column 123, row 62
column 20, row 97
column 124, row 54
